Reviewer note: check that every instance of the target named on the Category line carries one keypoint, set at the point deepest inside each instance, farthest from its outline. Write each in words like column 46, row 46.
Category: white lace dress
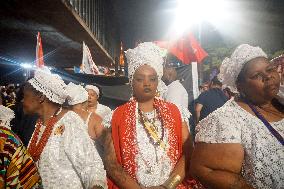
column 263, row 165
column 70, row 159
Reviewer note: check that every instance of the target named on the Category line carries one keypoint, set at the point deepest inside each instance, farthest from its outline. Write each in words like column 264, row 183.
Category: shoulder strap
column 267, row 124
column 88, row 118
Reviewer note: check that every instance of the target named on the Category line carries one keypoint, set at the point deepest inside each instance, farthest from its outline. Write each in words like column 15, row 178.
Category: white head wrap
column 146, row 54
column 94, row 88
column 50, row 85
column 231, row 67
column 76, row 94
column 6, row 115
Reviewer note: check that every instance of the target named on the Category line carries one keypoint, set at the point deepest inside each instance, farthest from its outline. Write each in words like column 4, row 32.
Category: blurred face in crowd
column 92, row 97
column 205, row 87
column 32, row 100
column 259, row 81
column 144, row 83
column 169, row 75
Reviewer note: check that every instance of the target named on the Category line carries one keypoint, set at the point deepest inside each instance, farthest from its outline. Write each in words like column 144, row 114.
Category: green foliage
column 216, row 56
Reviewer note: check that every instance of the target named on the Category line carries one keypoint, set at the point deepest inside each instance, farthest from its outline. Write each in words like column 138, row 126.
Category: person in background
column 11, row 96
column 23, row 125
column 176, row 93
column 18, row 169
column 78, row 100
column 65, row 155
column 240, row 145
column 210, row 100
column 94, row 105
column 279, row 63
column 204, row 87
column 148, row 142
column 229, row 94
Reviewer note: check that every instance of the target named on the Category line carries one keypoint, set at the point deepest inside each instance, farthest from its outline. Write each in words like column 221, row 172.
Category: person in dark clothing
column 23, row 125
column 210, row 100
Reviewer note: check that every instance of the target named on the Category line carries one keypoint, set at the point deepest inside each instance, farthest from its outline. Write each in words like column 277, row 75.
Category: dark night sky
column 257, row 22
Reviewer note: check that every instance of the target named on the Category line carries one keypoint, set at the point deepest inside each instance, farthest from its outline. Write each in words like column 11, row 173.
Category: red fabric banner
column 39, row 52
column 186, row 49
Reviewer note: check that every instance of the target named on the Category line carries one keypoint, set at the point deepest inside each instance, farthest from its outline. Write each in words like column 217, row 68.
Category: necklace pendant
column 149, row 170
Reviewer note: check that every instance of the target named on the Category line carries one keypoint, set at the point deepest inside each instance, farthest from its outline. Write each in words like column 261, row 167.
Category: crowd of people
column 56, row 135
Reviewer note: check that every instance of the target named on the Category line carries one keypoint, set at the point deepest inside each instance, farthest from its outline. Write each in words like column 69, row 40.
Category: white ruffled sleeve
column 82, row 153
column 221, row 126
column 107, row 120
column 185, row 114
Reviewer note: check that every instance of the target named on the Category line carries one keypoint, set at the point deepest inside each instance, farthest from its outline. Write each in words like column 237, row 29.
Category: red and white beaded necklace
column 37, row 145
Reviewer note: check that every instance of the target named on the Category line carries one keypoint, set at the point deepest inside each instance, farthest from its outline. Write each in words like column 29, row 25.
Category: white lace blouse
column 153, row 163
column 70, row 159
column 264, row 155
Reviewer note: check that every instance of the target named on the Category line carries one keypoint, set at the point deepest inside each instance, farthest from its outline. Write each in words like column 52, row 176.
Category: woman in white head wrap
column 65, row 154
column 78, row 101
column 144, row 146
column 95, row 107
column 240, row 145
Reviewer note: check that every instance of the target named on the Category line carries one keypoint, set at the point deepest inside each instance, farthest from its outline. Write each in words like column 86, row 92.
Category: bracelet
column 172, row 183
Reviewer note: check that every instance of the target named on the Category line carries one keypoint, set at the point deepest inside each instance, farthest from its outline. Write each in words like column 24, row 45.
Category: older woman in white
column 240, row 145
column 60, row 145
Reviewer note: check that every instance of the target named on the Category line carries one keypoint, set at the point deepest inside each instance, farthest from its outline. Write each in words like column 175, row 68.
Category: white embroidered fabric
column 51, row 85
column 107, row 120
column 6, row 115
column 94, row 88
column 71, row 160
column 153, row 164
column 145, row 53
column 103, row 110
column 76, row 94
column 231, row 67
column 264, row 155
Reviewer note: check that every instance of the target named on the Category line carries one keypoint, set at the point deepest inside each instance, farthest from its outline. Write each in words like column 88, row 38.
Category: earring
column 158, row 93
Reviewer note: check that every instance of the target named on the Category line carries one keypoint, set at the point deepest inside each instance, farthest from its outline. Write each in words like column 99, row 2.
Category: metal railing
column 98, row 16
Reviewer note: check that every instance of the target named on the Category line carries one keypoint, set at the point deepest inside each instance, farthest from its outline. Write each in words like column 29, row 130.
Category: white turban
column 76, row 94
column 146, row 54
column 94, row 88
column 6, row 115
column 231, row 67
column 50, row 85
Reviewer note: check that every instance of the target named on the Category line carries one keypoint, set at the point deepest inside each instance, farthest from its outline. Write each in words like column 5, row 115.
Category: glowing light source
column 26, row 65
column 191, row 12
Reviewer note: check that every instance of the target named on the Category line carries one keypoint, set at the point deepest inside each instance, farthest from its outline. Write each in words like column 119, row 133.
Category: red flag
column 186, row 49
column 39, row 52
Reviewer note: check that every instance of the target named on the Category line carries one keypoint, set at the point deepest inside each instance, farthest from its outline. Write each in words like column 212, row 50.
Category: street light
column 194, row 12
column 189, row 13
column 26, row 65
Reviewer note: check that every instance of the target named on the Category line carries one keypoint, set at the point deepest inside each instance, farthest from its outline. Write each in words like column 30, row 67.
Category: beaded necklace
column 37, row 145
column 152, row 130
